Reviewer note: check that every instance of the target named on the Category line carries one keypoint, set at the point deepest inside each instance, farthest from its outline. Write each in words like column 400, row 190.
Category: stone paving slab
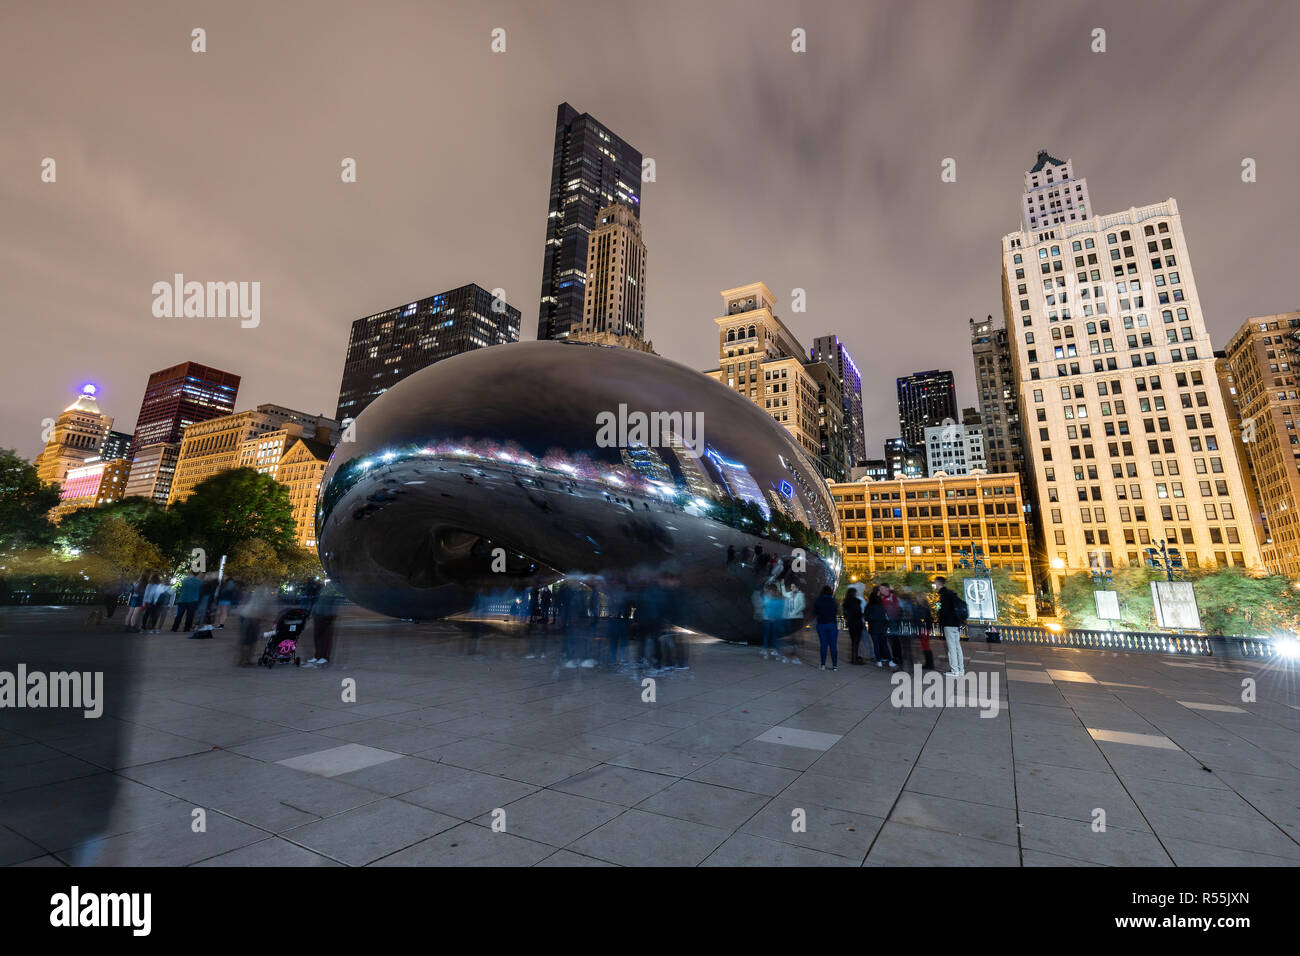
column 454, row 759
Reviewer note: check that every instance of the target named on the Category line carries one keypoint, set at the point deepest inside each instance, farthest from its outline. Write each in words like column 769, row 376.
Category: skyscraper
column 117, row 445
column 174, row 398
column 925, row 399
column 829, row 349
column 77, row 434
column 954, row 449
column 999, row 397
column 1262, row 359
column 614, row 306
column 177, row 396
column 591, row 168
column 1127, row 438
column 1053, row 195
column 759, row 357
column 903, row 460
column 833, row 460
column 386, row 347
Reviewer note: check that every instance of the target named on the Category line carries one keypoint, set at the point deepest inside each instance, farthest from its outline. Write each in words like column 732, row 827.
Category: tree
column 301, row 564
column 232, row 508
column 117, row 550
column 77, row 527
column 254, row 562
column 1231, row 601
column 24, row 504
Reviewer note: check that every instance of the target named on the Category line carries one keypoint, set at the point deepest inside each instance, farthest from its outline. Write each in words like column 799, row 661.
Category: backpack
column 960, row 610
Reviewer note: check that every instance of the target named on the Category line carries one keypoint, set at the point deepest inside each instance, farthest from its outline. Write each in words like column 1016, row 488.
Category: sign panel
column 1107, row 605
column 1175, row 605
column 981, row 599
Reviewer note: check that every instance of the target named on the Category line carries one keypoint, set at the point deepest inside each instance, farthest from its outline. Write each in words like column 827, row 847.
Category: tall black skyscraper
column 591, row 169
column 386, row 347
column 925, row 399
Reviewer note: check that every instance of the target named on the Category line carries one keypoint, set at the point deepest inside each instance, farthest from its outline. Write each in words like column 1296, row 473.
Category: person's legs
column 952, row 636
column 176, row 618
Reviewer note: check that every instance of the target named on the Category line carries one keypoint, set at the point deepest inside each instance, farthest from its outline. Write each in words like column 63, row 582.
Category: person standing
column 893, row 629
column 828, row 626
column 152, row 608
column 853, row 616
column 325, row 611
column 187, row 601
column 951, row 620
column 878, row 628
column 135, row 603
column 227, row 598
column 773, row 618
column 924, row 621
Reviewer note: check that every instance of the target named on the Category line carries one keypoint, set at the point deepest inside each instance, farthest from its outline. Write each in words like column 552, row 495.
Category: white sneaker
column 588, row 663
column 321, row 662
column 308, row 664
column 529, row 657
column 569, row 664
column 823, row 667
column 880, row 663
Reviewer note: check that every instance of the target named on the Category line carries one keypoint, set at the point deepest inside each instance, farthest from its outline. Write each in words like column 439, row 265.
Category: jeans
column 880, row 644
column 772, row 636
column 186, row 608
column 829, row 635
column 956, row 664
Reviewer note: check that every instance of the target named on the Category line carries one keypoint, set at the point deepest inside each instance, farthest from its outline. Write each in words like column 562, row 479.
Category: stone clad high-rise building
column 77, row 434
column 1126, row 434
column 760, row 358
column 613, row 309
column 999, row 397
column 829, row 349
column 1053, row 195
column 1261, row 365
column 925, row 399
column 591, row 169
column 386, row 347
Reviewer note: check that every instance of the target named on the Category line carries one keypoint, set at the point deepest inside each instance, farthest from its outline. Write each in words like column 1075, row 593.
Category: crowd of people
column 890, row 618
column 204, row 601
column 621, row 624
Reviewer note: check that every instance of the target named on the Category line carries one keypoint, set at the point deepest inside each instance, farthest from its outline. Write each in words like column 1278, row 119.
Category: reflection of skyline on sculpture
column 411, row 514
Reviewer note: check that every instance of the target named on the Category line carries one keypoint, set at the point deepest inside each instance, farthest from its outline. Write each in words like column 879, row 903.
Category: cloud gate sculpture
column 523, row 464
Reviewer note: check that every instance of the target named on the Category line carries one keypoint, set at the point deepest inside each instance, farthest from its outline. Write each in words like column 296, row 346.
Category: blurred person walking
column 324, row 613
column 253, row 612
column 854, row 613
column 878, row 628
column 153, row 595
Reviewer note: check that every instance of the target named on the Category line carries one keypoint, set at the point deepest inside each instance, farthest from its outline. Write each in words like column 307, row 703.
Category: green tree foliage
column 232, row 508
column 1231, row 601
column 254, row 562
column 117, row 551
column 24, row 504
column 77, row 527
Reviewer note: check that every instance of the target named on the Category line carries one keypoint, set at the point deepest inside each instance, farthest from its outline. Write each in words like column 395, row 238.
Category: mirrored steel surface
column 490, row 471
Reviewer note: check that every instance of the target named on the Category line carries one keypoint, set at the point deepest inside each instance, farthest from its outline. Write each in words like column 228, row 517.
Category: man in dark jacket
column 828, row 626
column 951, row 623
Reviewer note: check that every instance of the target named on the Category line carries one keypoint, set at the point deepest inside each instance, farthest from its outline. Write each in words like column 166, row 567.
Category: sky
column 816, row 170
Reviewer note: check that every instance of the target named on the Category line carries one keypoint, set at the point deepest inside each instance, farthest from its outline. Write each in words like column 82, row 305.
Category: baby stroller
column 282, row 643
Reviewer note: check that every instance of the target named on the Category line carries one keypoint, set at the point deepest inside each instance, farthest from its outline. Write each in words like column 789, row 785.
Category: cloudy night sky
column 816, row 170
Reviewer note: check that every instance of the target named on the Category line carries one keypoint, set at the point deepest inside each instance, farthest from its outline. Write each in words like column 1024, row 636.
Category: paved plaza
column 448, row 757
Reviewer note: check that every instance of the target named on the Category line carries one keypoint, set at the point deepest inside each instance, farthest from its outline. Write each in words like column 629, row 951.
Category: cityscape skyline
column 377, row 246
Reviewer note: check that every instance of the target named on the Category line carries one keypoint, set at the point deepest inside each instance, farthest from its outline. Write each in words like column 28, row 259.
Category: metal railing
column 1194, row 645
